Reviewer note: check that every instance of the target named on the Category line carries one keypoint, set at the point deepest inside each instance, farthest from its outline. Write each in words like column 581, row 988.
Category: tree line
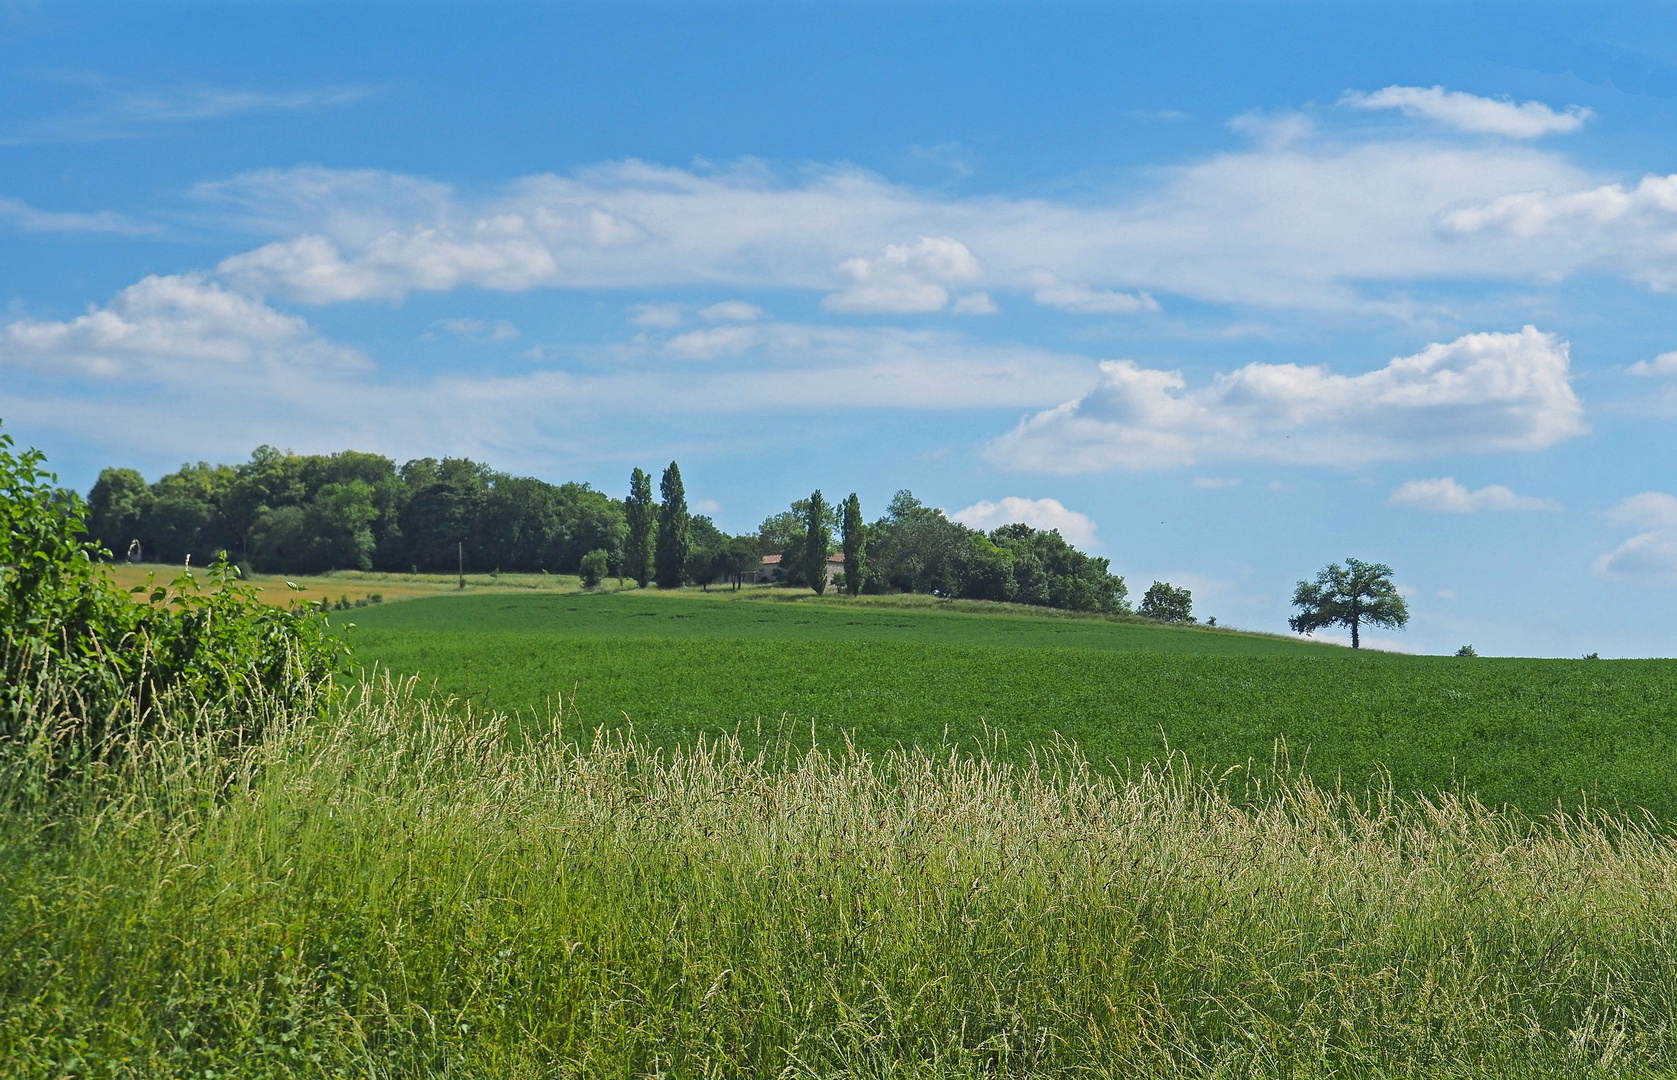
column 313, row 513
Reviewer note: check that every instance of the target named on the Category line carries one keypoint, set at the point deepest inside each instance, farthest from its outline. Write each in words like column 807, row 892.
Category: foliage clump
column 1349, row 596
column 595, row 566
column 81, row 661
column 1167, row 603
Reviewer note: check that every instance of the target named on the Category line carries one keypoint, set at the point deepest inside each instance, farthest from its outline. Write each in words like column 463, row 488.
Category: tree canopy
column 280, row 512
column 1349, row 596
column 1167, row 603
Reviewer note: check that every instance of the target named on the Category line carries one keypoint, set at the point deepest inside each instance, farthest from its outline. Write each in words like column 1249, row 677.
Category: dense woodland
column 295, row 513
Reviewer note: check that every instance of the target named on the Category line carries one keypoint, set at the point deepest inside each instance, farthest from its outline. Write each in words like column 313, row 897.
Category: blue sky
column 1223, row 292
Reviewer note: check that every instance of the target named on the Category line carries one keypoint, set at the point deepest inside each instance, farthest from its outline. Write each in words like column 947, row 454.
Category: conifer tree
column 817, row 538
column 855, row 545
column 675, row 530
column 639, row 513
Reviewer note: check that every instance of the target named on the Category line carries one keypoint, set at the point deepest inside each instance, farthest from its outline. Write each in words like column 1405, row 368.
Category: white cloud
column 663, row 316
column 309, row 268
column 1077, row 529
column 1300, row 222
column 732, row 311
column 712, row 343
column 1662, row 366
column 1469, row 112
column 1479, row 393
column 1630, row 230
column 1052, row 292
column 29, row 219
column 1445, row 496
column 498, row 330
column 978, row 303
column 1216, row 483
column 708, row 506
column 128, row 113
column 177, row 326
column 907, row 278
column 1650, row 555
column 599, row 402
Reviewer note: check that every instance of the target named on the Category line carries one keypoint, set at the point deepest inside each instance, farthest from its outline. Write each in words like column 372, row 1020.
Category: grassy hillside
column 1528, row 733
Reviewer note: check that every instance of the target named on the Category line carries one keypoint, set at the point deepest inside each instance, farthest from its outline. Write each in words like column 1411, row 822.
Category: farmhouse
column 769, row 570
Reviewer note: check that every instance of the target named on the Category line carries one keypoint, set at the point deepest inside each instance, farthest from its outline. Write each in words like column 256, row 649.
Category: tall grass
column 406, row 889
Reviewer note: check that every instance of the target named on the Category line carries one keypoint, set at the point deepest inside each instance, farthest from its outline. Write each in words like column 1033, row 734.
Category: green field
column 1526, row 733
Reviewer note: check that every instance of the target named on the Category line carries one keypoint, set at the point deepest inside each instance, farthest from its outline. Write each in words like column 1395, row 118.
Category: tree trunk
column 1355, row 644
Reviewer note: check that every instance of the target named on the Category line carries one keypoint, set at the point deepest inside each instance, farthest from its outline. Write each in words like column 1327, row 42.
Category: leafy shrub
column 594, row 566
column 1467, row 650
column 80, row 660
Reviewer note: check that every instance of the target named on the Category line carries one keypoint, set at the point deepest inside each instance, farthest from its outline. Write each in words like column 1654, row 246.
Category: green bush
column 81, row 661
column 594, row 567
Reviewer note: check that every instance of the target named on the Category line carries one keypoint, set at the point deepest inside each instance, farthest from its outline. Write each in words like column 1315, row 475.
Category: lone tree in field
column 1349, row 596
column 639, row 514
column 675, row 530
column 817, row 539
column 855, row 545
column 1168, row 604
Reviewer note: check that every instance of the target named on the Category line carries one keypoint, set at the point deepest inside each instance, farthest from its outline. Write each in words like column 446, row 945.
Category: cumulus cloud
column 908, row 278
column 1650, row 555
column 1471, row 113
column 1052, row 292
column 495, row 255
column 712, row 343
column 1479, row 393
column 1632, row 230
column 978, row 303
column 1445, row 496
column 732, row 311
column 1037, row 513
column 172, row 326
column 1216, row 483
column 1660, row 367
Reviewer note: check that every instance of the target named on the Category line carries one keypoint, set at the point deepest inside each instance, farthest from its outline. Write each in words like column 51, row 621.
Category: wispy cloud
column 1471, row 113
column 1305, row 224
column 1650, row 555
column 123, row 113
column 27, row 218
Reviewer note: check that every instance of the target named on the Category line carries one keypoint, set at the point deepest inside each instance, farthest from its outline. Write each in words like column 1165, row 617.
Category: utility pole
column 460, row 549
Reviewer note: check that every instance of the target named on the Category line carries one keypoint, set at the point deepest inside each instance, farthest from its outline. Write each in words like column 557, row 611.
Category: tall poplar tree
column 855, row 545
column 817, row 538
column 675, row 530
column 639, row 513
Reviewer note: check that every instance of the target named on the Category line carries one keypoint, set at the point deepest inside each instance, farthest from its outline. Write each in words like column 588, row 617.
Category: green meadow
column 1529, row 734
